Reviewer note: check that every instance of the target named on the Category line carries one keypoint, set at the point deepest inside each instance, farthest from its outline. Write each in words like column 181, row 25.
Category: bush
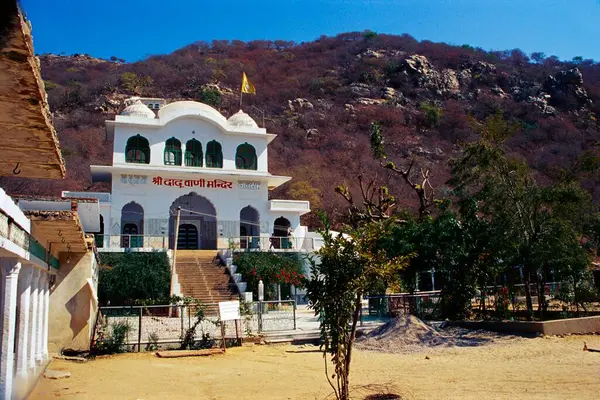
column 210, row 97
column 111, row 343
column 130, row 278
column 272, row 268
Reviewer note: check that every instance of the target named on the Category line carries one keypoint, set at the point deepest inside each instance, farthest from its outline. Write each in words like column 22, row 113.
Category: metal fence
column 160, row 325
column 424, row 305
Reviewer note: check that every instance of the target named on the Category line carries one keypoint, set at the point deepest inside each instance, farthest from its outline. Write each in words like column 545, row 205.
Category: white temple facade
column 186, row 158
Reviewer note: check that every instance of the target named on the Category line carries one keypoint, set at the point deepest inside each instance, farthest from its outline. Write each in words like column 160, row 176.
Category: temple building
column 184, row 161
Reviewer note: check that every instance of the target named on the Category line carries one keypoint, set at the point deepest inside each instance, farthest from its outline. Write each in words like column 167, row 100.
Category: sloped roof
column 30, row 146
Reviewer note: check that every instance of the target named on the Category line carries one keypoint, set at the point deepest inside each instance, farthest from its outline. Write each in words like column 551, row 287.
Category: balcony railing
column 132, row 241
column 270, row 243
column 20, row 237
column 258, row 243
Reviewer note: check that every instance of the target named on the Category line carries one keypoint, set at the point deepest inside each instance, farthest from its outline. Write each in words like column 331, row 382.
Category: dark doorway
column 130, row 236
column 99, row 237
column 188, row 237
column 281, row 234
column 249, row 228
column 199, row 212
column 132, row 225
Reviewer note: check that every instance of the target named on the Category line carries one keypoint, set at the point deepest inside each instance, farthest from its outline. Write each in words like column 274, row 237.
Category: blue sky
column 133, row 29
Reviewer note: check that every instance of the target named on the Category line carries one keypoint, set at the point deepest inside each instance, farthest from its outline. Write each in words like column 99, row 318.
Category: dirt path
column 541, row 368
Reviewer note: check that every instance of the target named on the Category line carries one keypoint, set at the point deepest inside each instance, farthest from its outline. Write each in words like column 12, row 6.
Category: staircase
column 201, row 277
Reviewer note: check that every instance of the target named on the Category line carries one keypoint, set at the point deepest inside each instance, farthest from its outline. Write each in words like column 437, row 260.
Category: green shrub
column 210, row 97
column 134, row 278
column 111, row 343
column 272, row 268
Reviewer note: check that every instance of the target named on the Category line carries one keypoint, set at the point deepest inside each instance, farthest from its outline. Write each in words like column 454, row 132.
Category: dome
column 241, row 119
column 138, row 110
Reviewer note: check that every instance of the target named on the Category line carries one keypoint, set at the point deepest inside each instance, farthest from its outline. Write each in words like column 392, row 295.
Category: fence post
column 140, row 331
column 181, row 311
column 294, row 314
column 260, row 316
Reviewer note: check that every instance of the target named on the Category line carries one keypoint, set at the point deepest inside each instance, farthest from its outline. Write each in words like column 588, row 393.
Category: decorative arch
column 249, row 227
column 193, row 153
column 137, row 150
column 132, row 225
column 245, row 157
column 198, row 211
column 172, row 155
column 214, row 154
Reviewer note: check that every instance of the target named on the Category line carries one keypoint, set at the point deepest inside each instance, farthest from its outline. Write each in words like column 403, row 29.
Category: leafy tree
column 350, row 264
column 538, row 57
column 134, row 83
column 530, row 220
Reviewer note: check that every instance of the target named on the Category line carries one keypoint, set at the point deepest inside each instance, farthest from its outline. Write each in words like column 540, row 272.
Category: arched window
column 214, row 155
column 193, row 153
column 173, row 152
column 137, row 150
column 245, row 157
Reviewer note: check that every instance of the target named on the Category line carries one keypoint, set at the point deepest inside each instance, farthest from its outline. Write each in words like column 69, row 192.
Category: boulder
column 369, row 102
column 299, row 104
column 349, row 108
column 464, row 77
column 372, row 54
column 498, row 91
column 541, row 102
column 482, row 67
column 360, row 89
column 566, row 90
column 426, row 76
column 449, row 81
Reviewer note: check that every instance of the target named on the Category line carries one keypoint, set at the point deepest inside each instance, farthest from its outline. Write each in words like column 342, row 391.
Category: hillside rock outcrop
column 426, row 76
column 566, row 90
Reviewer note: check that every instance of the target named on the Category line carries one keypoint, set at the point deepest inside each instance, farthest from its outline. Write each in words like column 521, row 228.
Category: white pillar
column 10, row 278
column 33, row 321
column 46, row 317
column 40, row 317
column 23, row 339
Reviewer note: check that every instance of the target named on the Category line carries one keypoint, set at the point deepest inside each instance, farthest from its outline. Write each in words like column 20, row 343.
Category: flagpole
column 241, row 95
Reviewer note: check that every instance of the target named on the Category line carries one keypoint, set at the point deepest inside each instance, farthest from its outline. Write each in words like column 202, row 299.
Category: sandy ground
column 540, row 368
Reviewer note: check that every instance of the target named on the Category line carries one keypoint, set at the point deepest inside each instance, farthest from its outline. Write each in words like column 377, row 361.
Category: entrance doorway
column 187, row 237
column 198, row 212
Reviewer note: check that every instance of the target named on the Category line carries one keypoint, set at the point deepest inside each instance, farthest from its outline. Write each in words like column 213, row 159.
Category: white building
column 48, row 268
column 186, row 155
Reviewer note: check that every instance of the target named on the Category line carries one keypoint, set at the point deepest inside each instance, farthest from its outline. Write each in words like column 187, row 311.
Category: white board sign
column 229, row 310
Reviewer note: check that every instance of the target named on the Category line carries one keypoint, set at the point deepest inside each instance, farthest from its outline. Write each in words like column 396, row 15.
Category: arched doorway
column 281, row 234
column 132, row 225
column 249, row 228
column 187, row 238
column 198, row 212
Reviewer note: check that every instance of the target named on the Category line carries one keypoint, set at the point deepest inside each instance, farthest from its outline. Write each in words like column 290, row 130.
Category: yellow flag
column 247, row 87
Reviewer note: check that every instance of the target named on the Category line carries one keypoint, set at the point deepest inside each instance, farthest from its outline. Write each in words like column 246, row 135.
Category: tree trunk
column 345, row 392
column 528, row 295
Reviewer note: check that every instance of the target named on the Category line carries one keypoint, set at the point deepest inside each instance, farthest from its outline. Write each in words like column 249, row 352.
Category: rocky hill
column 320, row 98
